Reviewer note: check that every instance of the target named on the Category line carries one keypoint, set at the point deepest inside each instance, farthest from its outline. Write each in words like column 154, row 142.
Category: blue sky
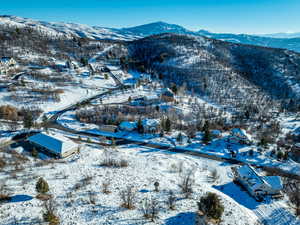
column 237, row 16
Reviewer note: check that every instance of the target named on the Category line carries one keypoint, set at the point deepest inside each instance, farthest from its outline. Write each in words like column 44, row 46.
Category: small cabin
column 257, row 186
column 109, row 128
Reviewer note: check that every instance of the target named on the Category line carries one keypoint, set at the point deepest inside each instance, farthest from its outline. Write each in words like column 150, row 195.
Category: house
column 257, row 186
column 296, row 152
column 238, row 135
column 146, row 100
column 108, row 128
column 150, row 125
column 167, row 95
column 7, row 63
column 57, row 145
column 127, row 126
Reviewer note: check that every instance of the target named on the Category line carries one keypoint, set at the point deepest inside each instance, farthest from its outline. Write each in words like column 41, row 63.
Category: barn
column 57, row 145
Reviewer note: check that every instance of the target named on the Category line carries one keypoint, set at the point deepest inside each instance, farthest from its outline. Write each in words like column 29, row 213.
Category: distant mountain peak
column 157, row 28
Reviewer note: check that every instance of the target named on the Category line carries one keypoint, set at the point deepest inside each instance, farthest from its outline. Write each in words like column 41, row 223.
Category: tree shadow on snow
column 238, row 194
column 185, row 218
column 20, row 198
column 280, row 216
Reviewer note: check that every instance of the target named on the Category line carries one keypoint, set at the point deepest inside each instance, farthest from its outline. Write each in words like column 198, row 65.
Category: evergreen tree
column 42, row 186
column 28, row 120
column 45, row 122
column 140, row 127
column 168, row 125
column 207, row 135
column 174, row 89
column 84, row 61
column 179, row 138
column 211, row 206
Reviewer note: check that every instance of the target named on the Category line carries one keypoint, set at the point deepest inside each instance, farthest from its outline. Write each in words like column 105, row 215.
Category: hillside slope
column 227, row 73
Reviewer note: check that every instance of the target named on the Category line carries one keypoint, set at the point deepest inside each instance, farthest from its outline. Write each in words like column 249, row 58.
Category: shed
column 108, row 128
column 54, row 144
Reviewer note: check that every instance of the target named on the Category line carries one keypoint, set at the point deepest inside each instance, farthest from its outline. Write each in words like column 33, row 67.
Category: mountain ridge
column 132, row 33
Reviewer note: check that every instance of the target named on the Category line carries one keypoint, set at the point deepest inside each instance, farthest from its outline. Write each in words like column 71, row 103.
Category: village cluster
column 116, row 108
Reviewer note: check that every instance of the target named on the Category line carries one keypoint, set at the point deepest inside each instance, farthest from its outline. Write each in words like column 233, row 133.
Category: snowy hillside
column 66, row 29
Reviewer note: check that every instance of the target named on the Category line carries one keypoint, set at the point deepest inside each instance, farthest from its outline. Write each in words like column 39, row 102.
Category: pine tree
column 174, row 89
column 140, row 127
column 207, row 135
column 45, row 122
column 179, row 138
column 28, row 120
column 168, row 125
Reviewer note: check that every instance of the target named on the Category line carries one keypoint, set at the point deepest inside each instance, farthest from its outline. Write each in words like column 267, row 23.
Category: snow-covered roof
column 274, row 181
column 216, row 132
column 297, row 145
column 151, row 97
column 127, row 125
column 296, row 131
column 5, row 59
column 150, row 122
column 57, row 144
column 167, row 92
column 240, row 133
column 249, row 175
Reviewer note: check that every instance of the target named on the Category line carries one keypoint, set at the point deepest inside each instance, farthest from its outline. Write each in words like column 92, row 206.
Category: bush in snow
column 214, row 175
column 42, row 186
column 128, row 196
column 156, row 185
column 150, row 208
column 49, row 214
column 4, row 193
column 186, row 184
column 171, row 200
column 210, row 204
column 105, row 186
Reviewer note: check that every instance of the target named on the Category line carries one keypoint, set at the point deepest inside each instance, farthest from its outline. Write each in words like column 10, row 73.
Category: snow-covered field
column 82, row 87
column 145, row 167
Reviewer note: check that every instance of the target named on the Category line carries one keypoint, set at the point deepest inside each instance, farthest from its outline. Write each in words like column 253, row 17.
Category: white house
column 6, row 63
column 257, row 186
column 238, row 135
column 54, row 144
